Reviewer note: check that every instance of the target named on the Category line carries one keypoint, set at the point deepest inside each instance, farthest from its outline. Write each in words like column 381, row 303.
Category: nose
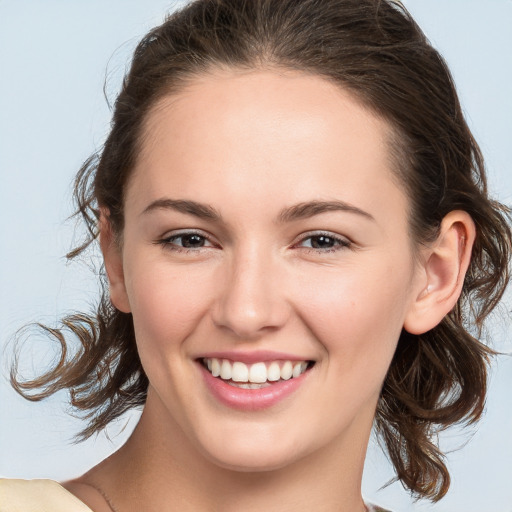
column 251, row 301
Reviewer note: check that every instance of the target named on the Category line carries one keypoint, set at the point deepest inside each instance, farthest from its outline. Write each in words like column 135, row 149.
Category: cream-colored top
column 37, row 496
column 49, row 496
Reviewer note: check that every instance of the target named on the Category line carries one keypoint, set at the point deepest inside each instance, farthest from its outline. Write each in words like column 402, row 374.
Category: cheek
column 357, row 314
column 167, row 304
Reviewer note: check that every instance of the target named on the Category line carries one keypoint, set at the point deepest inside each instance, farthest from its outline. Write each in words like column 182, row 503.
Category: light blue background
column 53, row 58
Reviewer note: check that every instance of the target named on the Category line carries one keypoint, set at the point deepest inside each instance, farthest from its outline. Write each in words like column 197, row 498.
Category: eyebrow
column 312, row 208
column 292, row 213
column 200, row 210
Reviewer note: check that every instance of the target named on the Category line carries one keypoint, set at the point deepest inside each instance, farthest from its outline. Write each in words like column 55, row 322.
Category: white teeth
column 297, row 369
column 225, row 370
column 240, row 372
column 245, row 376
column 273, row 372
column 215, row 367
column 287, row 371
column 258, row 373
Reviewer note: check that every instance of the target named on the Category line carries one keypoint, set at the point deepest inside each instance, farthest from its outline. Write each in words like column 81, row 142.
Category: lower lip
column 251, row 399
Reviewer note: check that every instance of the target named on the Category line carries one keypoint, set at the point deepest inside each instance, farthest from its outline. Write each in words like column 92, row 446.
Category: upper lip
column 253, row 356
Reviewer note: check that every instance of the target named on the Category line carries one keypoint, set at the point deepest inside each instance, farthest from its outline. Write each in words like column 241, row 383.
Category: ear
column 442, row 273
column 113, row 259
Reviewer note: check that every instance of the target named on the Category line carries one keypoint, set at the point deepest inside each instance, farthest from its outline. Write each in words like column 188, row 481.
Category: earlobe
column 113, row 263
column 445, row 264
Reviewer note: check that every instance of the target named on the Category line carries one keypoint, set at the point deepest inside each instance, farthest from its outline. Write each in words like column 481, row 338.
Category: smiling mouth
column 257, row 375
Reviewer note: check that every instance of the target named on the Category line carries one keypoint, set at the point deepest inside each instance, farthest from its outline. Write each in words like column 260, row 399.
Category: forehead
column 264, row 131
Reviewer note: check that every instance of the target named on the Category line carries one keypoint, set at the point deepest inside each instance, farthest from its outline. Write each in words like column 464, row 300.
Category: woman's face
column 265, row 236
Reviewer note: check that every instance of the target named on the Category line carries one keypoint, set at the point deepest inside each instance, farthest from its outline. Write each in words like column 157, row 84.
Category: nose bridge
column 251, row 301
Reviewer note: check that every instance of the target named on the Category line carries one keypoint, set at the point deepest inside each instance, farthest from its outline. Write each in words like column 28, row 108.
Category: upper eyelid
column 182, row 232
column 330, row 234
column 300, row 238
column 170, row 236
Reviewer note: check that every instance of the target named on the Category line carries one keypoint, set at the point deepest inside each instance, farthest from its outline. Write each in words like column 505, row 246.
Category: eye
column 185, row 241
column 324, row 242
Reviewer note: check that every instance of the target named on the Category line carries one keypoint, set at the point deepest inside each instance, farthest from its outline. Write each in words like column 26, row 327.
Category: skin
column 251, row 146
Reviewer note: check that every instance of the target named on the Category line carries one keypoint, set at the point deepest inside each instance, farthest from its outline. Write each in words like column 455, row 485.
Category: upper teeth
column 257, row 372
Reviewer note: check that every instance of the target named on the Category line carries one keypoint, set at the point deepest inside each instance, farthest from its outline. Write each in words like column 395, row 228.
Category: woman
column 287, row 206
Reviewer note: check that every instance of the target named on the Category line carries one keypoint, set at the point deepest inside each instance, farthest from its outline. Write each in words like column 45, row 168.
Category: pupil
column 321, row 242
column 192, row 241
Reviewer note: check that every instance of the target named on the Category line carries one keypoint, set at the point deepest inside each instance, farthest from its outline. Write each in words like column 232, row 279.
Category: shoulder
column 37, row 496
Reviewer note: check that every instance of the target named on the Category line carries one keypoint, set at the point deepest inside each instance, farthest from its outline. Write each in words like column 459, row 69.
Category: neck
column 159, row 469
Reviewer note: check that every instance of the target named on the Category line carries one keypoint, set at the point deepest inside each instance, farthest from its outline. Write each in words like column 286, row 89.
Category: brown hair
column 374, row 49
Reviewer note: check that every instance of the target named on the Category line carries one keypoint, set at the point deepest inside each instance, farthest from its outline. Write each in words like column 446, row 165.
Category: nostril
column 250, row 304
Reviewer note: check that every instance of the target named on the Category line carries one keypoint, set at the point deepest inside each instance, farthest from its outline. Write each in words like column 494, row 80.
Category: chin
column 253, row 463
column 260, row 454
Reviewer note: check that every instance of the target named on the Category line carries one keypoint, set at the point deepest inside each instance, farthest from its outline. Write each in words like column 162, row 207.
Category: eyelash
column 340, row 242
column 168, row 242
